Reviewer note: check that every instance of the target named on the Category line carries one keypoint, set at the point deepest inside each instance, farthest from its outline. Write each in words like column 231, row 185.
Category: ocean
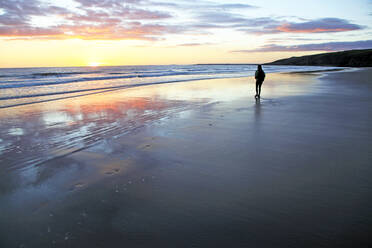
column 20, row 86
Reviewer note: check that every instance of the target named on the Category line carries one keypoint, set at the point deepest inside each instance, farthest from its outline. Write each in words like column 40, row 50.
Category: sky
column 37, row 33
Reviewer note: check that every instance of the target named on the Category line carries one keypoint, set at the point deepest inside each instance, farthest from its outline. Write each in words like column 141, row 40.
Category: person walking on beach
column 260, row 77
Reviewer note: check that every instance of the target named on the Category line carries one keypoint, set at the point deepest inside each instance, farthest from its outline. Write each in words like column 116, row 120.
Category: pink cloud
column 327, row 46
column 318, row 26
column 110, row 19
column 133, row 19
column 29, row 31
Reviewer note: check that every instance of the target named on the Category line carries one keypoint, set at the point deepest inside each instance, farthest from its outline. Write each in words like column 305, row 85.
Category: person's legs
column 259, row 90
column 257, row 84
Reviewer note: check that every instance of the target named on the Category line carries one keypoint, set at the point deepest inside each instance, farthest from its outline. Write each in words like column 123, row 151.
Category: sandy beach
column 193, row 164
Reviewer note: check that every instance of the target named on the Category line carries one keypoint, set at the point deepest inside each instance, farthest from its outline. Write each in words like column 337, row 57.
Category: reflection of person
column 260, row 77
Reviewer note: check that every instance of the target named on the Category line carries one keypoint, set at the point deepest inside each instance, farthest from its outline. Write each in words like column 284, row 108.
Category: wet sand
column 195, row 164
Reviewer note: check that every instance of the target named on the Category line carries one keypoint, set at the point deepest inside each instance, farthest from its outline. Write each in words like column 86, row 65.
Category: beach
column 193, row 164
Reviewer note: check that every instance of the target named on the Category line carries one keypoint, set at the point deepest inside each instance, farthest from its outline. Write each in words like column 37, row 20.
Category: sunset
column 140, row 32
column 185, row 123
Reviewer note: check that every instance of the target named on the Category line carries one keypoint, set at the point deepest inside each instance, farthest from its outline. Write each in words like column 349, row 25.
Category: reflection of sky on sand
column 34, row 133
column 86, row 129
column 214, row 90
column 55, row 118
column 35, row 187
column 275, row 85
column 15, row 131
column 257, row 113
column 232, row 155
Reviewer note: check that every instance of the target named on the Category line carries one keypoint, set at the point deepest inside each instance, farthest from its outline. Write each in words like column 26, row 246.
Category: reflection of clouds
column 36, row 185
column 15, row 131
column 54, row 118
column 218, row 90
column 48, row 131
column 56, row 128
column 60, row 127
column 3, row 146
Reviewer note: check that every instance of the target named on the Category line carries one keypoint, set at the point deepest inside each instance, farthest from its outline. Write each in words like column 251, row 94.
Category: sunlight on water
column 30, row 85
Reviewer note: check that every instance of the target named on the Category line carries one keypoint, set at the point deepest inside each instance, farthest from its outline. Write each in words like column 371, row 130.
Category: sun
column 94, row 64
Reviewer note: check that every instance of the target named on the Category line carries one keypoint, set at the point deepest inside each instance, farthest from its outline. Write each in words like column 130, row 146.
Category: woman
column 260, row 77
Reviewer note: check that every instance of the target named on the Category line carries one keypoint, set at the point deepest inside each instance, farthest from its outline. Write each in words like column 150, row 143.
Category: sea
column 21, row 86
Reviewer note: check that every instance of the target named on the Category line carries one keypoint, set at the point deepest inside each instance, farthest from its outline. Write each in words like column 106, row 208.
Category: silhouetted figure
column 260, row 77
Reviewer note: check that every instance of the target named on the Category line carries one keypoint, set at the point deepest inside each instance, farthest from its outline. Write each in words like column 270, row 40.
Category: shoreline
column 35, row 90
column 193, row 164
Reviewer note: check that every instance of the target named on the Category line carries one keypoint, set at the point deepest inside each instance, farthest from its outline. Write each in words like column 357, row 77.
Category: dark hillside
column 352, row 58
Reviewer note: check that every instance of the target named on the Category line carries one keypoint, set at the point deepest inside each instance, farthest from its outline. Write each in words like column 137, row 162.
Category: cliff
column 351, row 58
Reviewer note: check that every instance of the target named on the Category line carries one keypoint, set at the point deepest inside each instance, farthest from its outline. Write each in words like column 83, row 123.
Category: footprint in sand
column 145, row 146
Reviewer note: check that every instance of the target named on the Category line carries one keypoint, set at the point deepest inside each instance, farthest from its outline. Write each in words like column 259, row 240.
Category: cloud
column 28, row 31
column 224, row 20
column 203, row 5
column 145, row 20
column 328, row 46
column 97, row 19
column 19, row 12
column 323, row 25
column 319, row 26
column 92, row 16
column 270, row 25
column 221, row 17
column 236, row 6
column 296, row 38
column 133, row 30
column 104, row 3
column 124, row 9
column 140, row 14
column 196, row 44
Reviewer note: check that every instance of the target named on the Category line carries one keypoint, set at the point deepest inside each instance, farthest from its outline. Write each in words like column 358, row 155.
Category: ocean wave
column 98, row 89
column 48, row 74
column 16, row 84
column 61, row 74
column 83, row 79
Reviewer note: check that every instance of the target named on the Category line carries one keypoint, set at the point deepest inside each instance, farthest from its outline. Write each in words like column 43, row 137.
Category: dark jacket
column 259, row 75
